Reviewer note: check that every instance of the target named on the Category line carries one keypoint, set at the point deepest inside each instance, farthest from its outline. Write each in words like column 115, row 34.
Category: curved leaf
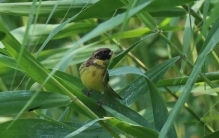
column 160, row 111
column 12, row 102
column 35, row 128
column 125, row 70
column 133, row 130
column 84, row 127
column 139, row 87
column 9, row 62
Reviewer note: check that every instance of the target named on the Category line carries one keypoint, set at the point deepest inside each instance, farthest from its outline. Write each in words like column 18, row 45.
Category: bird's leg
column 88, row 94
column 100, row 103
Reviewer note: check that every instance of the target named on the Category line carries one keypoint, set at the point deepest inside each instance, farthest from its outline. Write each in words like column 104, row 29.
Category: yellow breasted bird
column 94, row 74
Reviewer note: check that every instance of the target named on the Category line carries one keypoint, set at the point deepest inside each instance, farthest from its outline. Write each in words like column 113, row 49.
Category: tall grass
column 165, row 68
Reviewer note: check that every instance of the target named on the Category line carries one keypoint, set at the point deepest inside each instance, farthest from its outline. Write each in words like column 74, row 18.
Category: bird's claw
column 87, row 93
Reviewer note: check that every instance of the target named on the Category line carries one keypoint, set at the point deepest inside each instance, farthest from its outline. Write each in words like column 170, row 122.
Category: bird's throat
column 100, row 62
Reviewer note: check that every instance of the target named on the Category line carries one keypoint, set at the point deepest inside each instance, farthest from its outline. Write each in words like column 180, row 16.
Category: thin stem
column 193, row 13
column 182, row 80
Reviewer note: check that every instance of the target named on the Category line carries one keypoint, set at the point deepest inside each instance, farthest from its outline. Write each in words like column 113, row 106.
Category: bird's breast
column 92, row 78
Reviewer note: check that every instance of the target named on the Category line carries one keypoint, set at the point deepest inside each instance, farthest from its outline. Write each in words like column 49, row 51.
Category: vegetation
column 164, row 67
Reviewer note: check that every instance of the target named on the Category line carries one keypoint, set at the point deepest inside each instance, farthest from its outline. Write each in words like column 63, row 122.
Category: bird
column 94, row 74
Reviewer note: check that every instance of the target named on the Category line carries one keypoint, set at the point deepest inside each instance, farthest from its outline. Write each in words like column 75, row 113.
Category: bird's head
column 102, row 55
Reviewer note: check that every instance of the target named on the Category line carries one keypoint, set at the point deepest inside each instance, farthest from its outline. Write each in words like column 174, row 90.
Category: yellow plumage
column 92, row 78
column 94, row 74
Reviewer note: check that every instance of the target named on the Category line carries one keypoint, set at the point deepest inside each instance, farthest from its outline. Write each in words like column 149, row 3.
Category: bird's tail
column 113, row 92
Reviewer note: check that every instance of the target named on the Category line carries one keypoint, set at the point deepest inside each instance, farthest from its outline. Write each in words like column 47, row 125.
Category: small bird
column 94, row 74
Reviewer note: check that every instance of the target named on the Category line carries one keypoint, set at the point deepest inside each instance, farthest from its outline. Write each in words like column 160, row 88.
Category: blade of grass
column 10, row 62
column 160, row 111
column 138, row 87
column 84, row 127
column 133, row 130
column 11, row 102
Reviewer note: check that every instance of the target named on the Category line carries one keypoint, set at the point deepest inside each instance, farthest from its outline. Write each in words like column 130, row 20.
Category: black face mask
column 104, row 54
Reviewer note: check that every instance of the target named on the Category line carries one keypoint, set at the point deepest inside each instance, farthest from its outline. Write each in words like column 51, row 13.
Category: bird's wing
column 85, row 64
column 82, row 66
column 108, row 88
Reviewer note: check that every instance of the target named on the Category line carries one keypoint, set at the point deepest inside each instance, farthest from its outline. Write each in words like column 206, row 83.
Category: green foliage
column 12, row 102
column 165, row 68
